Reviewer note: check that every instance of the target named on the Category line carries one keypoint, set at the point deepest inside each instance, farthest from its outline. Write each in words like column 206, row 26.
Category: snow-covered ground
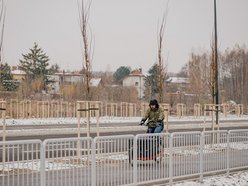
column 105, row 119
column 236, row 179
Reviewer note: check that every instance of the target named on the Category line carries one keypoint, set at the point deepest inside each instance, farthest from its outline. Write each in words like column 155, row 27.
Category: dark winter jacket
column 155, row 117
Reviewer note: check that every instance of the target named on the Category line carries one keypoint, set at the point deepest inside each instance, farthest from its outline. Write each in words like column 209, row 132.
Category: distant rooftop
column 136, row 72
column 177, row 80
column 18, row 72
column 94, row 82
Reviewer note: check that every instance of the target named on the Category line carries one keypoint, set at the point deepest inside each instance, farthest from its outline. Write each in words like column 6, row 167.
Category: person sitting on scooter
column 154, row 116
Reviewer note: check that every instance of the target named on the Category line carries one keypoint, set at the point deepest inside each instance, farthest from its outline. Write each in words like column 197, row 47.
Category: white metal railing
column 111, row 160
column 122, row 160
column 150, row 157
column 20, row 163
column 67, row 161
column 238, row 149
column 185, row 154
column 215, row 151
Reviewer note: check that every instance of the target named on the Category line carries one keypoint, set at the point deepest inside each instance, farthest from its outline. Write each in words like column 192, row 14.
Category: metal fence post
column 93, row 164
column 201, row 155
column 135, row 172
column 228, row 152
column 171, row 159
column 42, row 164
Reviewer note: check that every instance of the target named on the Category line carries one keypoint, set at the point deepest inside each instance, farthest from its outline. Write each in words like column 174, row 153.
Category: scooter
column 149, row 147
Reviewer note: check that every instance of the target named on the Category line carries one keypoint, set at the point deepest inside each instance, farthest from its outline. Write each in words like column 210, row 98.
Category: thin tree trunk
column 2, row 22
column 161, row 67
column 84, row 17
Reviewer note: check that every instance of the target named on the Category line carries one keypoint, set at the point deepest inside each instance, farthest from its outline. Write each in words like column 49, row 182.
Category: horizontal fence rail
column 20, row 163
column 150, row 157
column 238, row 149
column 67, row 161
column 112, row 160
column 185, row 154
column 215, row 151
column 123, row 159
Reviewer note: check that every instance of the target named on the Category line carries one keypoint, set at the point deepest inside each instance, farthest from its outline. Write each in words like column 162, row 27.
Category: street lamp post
column 216, row 88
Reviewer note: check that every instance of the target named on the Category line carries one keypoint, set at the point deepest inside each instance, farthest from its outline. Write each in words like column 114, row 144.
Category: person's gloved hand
column 142, row 122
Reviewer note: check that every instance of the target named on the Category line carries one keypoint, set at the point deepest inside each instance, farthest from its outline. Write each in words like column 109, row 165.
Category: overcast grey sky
column 124, row 31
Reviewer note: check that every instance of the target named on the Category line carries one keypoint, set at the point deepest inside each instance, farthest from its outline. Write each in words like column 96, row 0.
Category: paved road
column 21, row 132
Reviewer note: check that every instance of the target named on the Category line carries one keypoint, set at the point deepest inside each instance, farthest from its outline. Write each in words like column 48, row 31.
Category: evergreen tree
column 36, row 65
column 151, row 82
column 6, row 80
column 120, row 73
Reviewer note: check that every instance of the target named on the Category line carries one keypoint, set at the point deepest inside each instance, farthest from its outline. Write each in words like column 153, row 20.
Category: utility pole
column 216, row 88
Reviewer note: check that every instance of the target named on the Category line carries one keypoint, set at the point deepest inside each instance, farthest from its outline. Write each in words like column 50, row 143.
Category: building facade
column 137, row 80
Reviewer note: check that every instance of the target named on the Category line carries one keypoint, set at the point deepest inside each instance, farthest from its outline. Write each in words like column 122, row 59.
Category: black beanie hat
column 153, row 102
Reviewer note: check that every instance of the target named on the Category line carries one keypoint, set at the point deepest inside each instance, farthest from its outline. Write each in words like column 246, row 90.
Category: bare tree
column 84, row 10
column 2, row 22
column 234, row 74
column 161, row 67
column 198, row 74
column 212, row 71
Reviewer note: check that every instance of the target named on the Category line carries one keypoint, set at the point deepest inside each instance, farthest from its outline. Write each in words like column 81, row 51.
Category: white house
column 18, row 73
column 59, row 79
column 137, row 80
column 63, row 78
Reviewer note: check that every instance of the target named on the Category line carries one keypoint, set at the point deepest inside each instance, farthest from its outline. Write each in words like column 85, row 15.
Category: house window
column 136, row 84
